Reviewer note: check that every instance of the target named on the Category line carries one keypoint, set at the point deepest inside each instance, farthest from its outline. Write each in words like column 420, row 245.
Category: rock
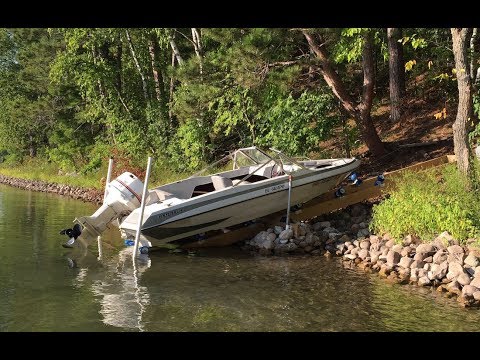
column 277, row 230
column 390, row 243
column 471, row 260
column 476, row 295
column 340, row 246
column 344, row 238
column 428, row 259
column 308, row 248
column 444, row 238
column 374, row 257
column 269, row 230
column 303, row 244
column 355, row 251
column 259, row 238
column 362, row 225
column 425, row 248
column 406, row 251
column 363, row 233
column 356, row 243
column 455, row 249
column 417, row 264
column 439, row 257
column 459, row 258
column 440, row 271
column 427, row 267
column 454, row 287
column 302, row 230
column 362, row 254
column 419, row 256
column 409, row 239
column 286, row 234
column 350, row 256
column 354, row 228
column 463, row 279
column 397, row 248
column 374, row 239
column 454, row 270
column 324, row 224
column 424, row 281
column 365, row 244
column 334, row 236
column 271, row 236
column 393, row 258
column 476, row 281
column 469, row 290
column 330, row 229
column 405, row 262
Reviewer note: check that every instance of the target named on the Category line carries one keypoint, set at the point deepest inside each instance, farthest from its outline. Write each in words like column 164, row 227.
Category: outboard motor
column 123, row 195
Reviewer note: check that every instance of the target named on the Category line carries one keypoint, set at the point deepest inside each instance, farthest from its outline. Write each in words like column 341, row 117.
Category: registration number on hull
column 275, row 188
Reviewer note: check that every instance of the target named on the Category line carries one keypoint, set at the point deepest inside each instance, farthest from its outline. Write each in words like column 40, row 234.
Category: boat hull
column 251, row 203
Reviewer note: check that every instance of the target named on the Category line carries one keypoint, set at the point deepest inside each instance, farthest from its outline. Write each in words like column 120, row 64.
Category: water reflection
column 115, row 284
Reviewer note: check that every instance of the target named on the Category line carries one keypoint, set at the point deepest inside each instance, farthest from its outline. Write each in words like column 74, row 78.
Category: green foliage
column 427, row 203
column 296, row 126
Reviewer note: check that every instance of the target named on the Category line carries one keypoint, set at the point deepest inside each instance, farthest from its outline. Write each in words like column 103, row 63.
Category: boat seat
column 237, row 181
column 155, row 196
column 220, row 182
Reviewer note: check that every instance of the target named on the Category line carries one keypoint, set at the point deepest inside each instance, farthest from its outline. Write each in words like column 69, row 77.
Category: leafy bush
column 427, row 203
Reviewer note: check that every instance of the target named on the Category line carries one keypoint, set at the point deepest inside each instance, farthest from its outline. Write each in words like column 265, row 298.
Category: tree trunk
column 119, row 66
column 464, row 111
column 173, row 44
column 170, row 97
column 473, row 57
column 197, row 44
column 154, row 51
column 32, row 147
column 137, row 64
column 394, row 67
column 360, row 112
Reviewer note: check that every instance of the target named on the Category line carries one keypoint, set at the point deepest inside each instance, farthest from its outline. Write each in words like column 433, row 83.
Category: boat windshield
column 250, row 156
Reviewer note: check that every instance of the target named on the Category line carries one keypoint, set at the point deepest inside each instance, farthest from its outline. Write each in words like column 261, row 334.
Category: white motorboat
column 258, row 185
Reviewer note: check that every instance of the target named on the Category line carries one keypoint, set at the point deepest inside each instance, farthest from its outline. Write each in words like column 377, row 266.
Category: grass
column 427, row 203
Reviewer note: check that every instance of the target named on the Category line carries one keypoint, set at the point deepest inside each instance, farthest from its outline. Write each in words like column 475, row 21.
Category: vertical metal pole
column 109, row 175
column 100, row 250
column 289, row 196
column 142, row 206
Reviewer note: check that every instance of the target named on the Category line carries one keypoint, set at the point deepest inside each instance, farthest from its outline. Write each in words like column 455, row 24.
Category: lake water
column 44, row 287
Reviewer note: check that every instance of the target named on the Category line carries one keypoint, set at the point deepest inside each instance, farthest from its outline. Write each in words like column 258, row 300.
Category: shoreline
column 442, row 263
column 75, row 192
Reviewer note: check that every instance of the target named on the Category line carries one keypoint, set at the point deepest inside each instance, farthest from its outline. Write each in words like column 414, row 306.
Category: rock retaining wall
column 91, row 195
column 441, row 263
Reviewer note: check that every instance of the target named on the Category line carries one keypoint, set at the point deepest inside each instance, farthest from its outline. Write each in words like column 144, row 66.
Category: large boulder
column 362, row 254
column 476, row 281
column 469, row 290
column 393, row 258
column 405, row 262
column 454, row 270
column 471, row 260
column 463, row 279
column 439, row 257
column 425, row 248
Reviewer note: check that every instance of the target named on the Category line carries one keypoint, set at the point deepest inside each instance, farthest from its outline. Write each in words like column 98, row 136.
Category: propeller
column 72, row 234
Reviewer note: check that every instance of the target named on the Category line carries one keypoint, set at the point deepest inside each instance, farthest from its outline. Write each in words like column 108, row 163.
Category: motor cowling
column 123, row 195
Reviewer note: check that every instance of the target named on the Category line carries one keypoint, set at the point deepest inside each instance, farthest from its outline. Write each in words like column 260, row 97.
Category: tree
column 460, row 37
column 359, row 111
column 396, row 72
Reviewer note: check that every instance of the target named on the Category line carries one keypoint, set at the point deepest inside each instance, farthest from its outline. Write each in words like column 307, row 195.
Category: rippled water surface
column 44, row 287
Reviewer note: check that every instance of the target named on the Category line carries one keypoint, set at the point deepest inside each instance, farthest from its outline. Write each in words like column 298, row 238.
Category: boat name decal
column 272, row 189
column 171, row 213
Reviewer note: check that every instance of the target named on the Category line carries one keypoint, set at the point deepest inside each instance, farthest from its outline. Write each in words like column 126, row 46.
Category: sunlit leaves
column 409, row 65
column 441, row 114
